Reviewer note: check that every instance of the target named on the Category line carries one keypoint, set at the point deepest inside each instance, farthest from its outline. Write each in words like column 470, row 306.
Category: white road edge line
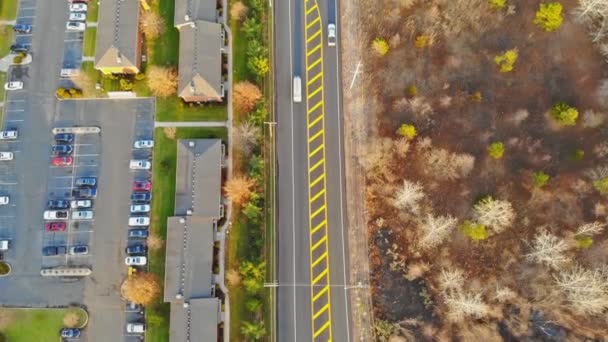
column 293, row 182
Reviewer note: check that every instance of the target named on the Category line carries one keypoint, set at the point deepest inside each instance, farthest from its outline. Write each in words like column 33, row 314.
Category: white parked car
column 77, row 204
column 331, row 35
column 139, row 221
column 140, row 208
column 143, row 144
column 79, row 7
column 140, row 164
column 75, row 26
column 82, row 215
column 136, row 328
column 7, row 135
column 136, row 261
column 6, row 156
column 14, row 85
column 55, row 215
column 78, row 16
column 4, row 200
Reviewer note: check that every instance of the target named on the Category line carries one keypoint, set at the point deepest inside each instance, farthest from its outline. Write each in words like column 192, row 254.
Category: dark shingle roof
column 196, row 323
column 117, row 34
column 195, row 10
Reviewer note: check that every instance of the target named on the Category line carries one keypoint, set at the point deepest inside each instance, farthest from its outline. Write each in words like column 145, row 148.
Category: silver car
column 331, row 35
column 82, row 215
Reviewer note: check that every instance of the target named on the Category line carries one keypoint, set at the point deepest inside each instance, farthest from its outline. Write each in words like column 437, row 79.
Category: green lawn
column 163, row 180
column 165, row 49
column 8, row 9
column 2, row 91
column 239, row 53
column 92, row 11
column 174, row 109
column 6, row 39
column 90, row 35
column 34, row 325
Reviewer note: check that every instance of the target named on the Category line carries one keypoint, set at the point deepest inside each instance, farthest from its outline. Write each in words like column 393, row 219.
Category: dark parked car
column 58, row 204
column 64, row 137
column 85, row 193
column 141, row 197
column 18, row 48
column 54, row 250
column 136, row 249
column 70, row 333
column 86, row 181
column 61, row 149
column 22, row 28
column 138, row 233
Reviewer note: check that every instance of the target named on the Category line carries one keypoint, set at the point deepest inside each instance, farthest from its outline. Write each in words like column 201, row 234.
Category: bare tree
column 462, row 305
column 152, row 24
column 444, row 165
column 408, row 196
column 451, row 280
column 504, row 294
column 585, row 290
column 245, row 137
column 435, row 229
column 548, row 249
column 594, row 13
column 162, row 81
column 496, row 214
column 592, row 228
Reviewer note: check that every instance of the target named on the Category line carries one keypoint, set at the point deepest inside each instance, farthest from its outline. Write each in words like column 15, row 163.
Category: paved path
column 8, row 22
column 191, row 123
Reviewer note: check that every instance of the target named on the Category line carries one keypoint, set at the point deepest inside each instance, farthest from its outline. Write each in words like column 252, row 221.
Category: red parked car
column 142, row 185
column 62, row 161
column 55, row 226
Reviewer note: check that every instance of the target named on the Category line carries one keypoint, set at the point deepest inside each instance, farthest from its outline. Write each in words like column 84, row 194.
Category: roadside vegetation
column 90, row 36
column 34, row 325
column 496, row 229
column 8, row 9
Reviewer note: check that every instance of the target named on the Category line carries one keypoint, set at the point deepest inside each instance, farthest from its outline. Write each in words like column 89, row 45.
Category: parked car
column 22, row 28
column 82, row 215
column 139, row 221
column 64, row 137
column 4, row 156
column 4, row 200
column 141, row 197
column 55, row 226
column 13, row 85
column 86, row 181
column 78, row 16
column 80, row 204
column 19, row 48
column 54, row 250
column 142, row 185
column 138, row 233
column 62, row 161
column 58, row 204
column 136, row 260
column 143, row 144
column 139, row 208
column 84, row 193
column 9, row 135
column 136, row 328
column 70, row 333
column 79, row 250
column 331, row 35
column 136, row 250
column 78, row 1
column 61, row 149
column 78, row 7
column 133, row 307
column 75, row 26
column 140, row 164
column 50, row 215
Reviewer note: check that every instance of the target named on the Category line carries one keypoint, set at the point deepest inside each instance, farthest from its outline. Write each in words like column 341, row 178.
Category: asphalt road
column 313, row 303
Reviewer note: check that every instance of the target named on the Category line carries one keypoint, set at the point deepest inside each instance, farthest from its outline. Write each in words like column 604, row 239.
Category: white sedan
column 82, row 215
column 4, row 200
column 140, row 164
column 75, row 26
column 6, row 156
column 137, row 221
column 14, row 85
column 78, row 16
column 78, row 7
column 143, row 144
column 77, row 204
column 136, row 261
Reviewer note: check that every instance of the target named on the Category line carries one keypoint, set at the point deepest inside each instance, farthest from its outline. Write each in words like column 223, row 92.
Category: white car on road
column 331, row 35
column 78, row 7
column 140, row 164
column 136, row 261
column 78, row 16
column 14, row 85
column 8, row 135
column 139, row 221
column 143, row 144
column 75, row 26
column 4, row 200
column 55, row 215
column 6, row 156
column 77, row 204
column 140, row 208
column 136, row 328
column 82, row 215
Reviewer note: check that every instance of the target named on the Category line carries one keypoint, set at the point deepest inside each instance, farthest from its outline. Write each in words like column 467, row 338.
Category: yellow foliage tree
column 141, row 288
column 380, row 45
column 507, row 60
column 549, row 16
column 238, row 189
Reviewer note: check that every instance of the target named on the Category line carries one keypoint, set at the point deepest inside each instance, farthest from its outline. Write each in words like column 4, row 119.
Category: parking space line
column 16, row 120
column 71, row 40
column 25, row 17
column 87, row 155
column 8, row 183
column 15, row 110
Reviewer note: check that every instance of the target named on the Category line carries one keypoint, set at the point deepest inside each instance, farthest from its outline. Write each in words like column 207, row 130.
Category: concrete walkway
column 190, row 123
column 8, row 22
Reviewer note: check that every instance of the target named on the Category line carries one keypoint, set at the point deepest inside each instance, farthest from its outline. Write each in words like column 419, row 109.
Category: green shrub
column 380, row 45
column 540, row 179
column 72, row 91
column 601, row 185
column 476, row 96
column 496, row 150
column 549, row 16
column 577, row 154
column 583, row 241
column 60, row 92
column 411, row 91
column 564, row 114
column 507, row 60
column 497, row 4
column 258, row 65
column 140, row 77
column 4, row 268
column 474, row 231
column 125, row 85
column 253, row 304
column 17, row 59
column 407, row 131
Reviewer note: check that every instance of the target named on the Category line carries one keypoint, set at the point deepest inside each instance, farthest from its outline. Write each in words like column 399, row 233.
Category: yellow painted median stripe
column 314, row 122
column 320, row 178
column 312, row 154
column 312, row 8
column 321, row 329
column 314, row 35
column 321, row 275
column 311, row 81
column 322, row 192
column 316, row 213
column 315, row 107
column 319, row 259
column 318, row 243
column 319, row 163
column 318, row 295
column 319, row 226
column 315, row 49
column 316, row 20
column 314, row 64
column 318, row 134
column 321, row 310
column 310, row 95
